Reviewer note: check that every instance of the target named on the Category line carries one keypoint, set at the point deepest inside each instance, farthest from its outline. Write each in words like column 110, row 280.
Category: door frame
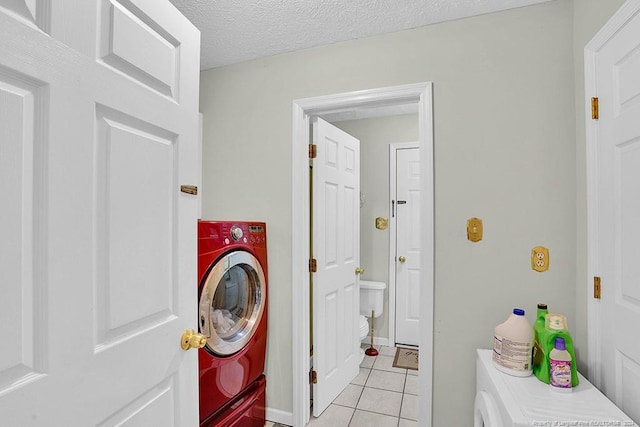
column 420, row 95
column 594, row 313
column 393, row 238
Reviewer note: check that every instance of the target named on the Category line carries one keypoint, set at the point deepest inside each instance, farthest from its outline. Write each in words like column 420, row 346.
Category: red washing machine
column 232, row 311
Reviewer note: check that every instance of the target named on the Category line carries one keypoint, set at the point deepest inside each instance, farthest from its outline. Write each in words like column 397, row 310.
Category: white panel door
column 336, row 247
column 99, row 127
column 407, row 254
column 617, row 191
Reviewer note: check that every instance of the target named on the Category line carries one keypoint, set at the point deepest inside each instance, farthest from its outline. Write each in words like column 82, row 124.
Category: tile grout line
column 400, row 411
column 360, row 396
column 404, row 386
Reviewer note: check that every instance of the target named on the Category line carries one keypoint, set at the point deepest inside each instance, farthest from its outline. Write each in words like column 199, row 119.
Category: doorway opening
column 360, row 104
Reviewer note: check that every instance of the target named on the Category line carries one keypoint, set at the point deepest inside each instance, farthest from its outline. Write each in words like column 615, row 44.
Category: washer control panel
column 230, row 233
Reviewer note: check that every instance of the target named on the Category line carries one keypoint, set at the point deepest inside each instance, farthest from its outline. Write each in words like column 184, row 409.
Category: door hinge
column 313, row 377
column 596, row 287
column 313, row 265
column 595, row 109
column 313, row 151
column 189, row 189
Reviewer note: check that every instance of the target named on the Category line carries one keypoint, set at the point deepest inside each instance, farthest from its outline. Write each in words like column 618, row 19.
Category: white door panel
column 336, row 247
column 100, row 244
column 616, row 213
column 407, row 246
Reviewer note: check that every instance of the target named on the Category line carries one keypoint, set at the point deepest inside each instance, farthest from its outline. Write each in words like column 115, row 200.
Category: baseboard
column 376, row 341
column 381, row 341
column 278, row 416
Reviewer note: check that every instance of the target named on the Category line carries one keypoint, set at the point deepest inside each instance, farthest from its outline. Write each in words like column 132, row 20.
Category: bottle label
column 511, row 354
column 538, row 353
column 560, row 373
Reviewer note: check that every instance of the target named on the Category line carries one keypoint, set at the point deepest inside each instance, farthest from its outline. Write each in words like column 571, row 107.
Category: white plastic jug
column 512, row 344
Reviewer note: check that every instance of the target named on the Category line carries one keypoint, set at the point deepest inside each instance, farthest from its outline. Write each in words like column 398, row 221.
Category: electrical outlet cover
column 540, row 259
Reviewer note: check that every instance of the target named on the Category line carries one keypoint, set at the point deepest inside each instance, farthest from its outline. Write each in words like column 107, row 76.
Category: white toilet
column 371, row 298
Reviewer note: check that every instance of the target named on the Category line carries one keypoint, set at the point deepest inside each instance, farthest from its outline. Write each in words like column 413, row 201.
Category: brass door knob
column 359, row 270
column 192, row 339
column 401, row 258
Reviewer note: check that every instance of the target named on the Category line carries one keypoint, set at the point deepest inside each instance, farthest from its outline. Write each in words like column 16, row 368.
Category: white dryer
column 506, row 401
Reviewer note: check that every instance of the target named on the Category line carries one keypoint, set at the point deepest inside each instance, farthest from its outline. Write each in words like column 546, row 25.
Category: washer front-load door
column 232, row 302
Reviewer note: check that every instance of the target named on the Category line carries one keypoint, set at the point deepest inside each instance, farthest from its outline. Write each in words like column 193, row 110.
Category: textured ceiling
column 240, row 30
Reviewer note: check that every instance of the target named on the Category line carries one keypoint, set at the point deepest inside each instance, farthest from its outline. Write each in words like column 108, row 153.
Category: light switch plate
column 540, row 259
column 474, row 229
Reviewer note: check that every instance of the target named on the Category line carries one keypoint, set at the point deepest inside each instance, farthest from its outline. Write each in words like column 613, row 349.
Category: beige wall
column 375, row 135
column 505, row 151
column 589, row 17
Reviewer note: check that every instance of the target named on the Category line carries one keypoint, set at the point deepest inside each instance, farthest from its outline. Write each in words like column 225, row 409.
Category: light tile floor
column 380, row 396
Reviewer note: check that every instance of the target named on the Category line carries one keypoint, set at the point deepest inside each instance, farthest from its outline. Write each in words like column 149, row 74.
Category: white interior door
column 407, row 253
column 336, row 248
column 616, row 209
column 99, row 120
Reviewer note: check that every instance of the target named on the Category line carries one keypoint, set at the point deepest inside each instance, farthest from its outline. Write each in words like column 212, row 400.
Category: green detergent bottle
column 547, row 328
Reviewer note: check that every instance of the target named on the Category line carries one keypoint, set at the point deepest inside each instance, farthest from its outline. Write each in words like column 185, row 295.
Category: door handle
column 192, row 339
column 401, row 259
column 359, row 270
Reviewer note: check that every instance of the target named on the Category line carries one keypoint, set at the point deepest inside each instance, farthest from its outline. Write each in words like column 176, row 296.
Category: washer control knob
column 236, row 233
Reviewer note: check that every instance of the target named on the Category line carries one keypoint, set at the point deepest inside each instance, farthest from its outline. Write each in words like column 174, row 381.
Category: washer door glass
column 232, row 302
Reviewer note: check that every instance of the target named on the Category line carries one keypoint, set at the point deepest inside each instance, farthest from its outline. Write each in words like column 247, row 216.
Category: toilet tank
column 371, row 297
